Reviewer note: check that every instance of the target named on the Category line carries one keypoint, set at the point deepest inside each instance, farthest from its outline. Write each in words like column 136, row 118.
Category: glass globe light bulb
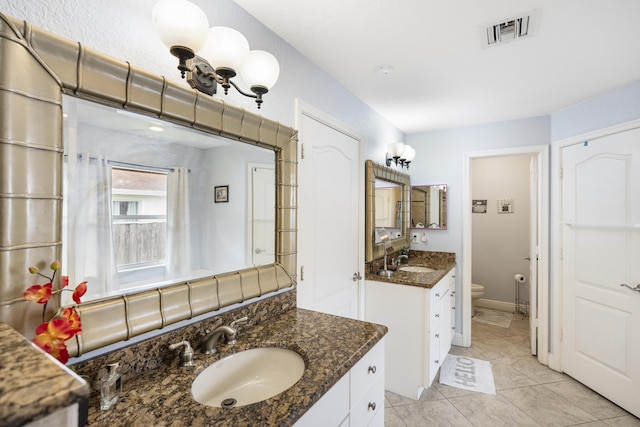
column 225, row 48
column 261, row 69
column 180, row 23
column 395, row 149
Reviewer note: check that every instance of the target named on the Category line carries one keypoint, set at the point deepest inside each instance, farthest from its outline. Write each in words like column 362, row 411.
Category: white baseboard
column 457, row 339
column 496, row 305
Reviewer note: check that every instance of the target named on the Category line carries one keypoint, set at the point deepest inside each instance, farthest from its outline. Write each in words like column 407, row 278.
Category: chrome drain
column 228, row 403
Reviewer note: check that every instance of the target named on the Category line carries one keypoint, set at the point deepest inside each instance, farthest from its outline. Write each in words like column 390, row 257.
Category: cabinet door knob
column 436, row 361
column 437, row 295
column 438, row 315
column 371, row 370
column 437, row 335
column 372, row 406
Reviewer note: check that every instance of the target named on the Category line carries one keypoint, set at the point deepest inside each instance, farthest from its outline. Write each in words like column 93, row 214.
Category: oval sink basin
column 416, row 269
column 247, row 377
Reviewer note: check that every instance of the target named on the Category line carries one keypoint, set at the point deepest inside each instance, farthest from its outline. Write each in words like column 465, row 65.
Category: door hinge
column 561, row 173
column 301, row 151
column 302, row 273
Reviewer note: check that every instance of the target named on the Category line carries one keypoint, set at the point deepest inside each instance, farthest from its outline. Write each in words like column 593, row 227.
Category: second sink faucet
column 229, row 332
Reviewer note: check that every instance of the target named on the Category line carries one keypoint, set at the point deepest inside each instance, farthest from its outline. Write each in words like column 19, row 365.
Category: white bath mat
column 493, row 317
column 468, row 374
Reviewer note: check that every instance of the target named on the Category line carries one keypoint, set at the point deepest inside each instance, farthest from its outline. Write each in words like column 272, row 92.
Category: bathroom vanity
column 35, row 390
column 339, row 354
column 419, row 310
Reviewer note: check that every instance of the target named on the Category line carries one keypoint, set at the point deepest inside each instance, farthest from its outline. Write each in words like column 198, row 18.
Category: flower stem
column 44, row 310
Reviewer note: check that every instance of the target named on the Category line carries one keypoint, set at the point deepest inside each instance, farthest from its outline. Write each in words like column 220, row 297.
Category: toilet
column 477, row 292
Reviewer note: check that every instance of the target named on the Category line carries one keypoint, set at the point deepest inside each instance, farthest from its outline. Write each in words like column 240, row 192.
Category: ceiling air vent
column 511, row 29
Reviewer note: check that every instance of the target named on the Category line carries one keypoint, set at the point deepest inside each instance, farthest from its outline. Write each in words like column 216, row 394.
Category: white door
column 601, row 249
column 534, row 228
column 329, row 215
column 263, row 244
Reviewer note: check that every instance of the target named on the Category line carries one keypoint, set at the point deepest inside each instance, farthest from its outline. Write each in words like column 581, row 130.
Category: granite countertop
column 330, row 346
column 440, row 262
column 32, row 383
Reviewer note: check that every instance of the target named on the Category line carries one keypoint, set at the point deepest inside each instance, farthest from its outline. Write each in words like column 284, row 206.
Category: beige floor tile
column 431, row 413
column 395, row 399
column 485, row 410
column 391, row 418
column 586, row 399
column 626, row 421
column 506, row 376
column 541, row 374
column 546, row 407
column 527, row 391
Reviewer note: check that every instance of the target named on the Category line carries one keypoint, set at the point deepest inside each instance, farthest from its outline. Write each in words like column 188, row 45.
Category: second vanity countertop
column 330, row 346
column 441, row 262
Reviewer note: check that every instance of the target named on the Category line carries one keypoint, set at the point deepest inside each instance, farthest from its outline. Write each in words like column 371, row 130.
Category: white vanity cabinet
column 420, row 322
column 357, row 399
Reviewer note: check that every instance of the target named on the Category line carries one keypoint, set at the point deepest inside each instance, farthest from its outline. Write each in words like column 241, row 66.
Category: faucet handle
column 231, row 339
column 186, row 357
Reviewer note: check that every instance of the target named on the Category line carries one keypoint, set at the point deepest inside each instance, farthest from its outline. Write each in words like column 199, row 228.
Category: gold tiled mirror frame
column 37, row 67
column 372, row 172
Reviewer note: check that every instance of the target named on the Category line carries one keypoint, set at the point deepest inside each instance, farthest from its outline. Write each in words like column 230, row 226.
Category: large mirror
column 386, row 206
column 429, row 206
column 151, row 203
column 38, row 68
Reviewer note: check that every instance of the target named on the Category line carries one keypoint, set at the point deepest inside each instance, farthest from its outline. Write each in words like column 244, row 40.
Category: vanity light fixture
column 184, row 28
column 400, row 153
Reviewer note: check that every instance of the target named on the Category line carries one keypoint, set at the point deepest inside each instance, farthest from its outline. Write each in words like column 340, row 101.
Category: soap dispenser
column 110, row 386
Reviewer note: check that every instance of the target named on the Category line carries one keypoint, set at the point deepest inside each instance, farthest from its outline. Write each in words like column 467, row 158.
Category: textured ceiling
column 443, row 77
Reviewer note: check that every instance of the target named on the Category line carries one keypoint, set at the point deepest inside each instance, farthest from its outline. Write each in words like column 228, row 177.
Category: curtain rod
column 134, row 165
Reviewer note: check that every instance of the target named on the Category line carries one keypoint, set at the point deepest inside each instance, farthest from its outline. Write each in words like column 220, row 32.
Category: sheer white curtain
column 178, row 262
column 90, row 229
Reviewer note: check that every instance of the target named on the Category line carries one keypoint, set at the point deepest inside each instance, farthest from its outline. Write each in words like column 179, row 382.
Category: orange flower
column 39, row 293
column 81, row 289
column 64, row 281
column 74, row 319
column 50, row 337
column 54, row 347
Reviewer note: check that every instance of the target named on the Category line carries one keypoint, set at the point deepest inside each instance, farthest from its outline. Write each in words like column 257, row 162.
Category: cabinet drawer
column 369, row 404
column 437, row 292
column 331, row 409
column 367, row 371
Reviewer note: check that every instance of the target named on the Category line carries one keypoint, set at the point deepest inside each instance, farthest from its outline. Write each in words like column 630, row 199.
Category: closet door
column 601, row 249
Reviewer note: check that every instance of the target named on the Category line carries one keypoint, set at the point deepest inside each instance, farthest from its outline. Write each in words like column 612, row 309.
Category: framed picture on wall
column 505, row 206
column 221, row 194
column 479, row 206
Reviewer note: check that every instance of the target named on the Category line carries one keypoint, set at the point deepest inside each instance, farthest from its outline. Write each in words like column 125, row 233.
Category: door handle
column 637, row 288
column 259, row 251
column 356, row 276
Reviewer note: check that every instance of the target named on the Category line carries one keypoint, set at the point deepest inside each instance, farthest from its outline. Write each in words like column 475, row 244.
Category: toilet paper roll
column 519, row 278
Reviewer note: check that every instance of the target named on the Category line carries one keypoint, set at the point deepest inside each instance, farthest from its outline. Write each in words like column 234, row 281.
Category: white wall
column 122, row 29
column 439, row 160
column 501, row 240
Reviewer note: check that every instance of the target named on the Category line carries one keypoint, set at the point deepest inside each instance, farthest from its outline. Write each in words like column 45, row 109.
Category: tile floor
column 528, row 393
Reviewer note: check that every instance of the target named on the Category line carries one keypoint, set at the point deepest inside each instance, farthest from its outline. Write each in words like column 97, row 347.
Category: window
column 139, row 215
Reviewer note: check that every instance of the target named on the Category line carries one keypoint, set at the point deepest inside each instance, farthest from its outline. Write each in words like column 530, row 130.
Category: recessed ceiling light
column 156, row 128
column 384, row 69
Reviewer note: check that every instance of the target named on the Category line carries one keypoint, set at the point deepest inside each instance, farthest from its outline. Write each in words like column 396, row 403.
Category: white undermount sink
column 416, row 269
column 247, row 377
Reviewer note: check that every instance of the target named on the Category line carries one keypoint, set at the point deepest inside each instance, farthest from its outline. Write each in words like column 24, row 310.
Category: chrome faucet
column 230, row 333
column 186, row 355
